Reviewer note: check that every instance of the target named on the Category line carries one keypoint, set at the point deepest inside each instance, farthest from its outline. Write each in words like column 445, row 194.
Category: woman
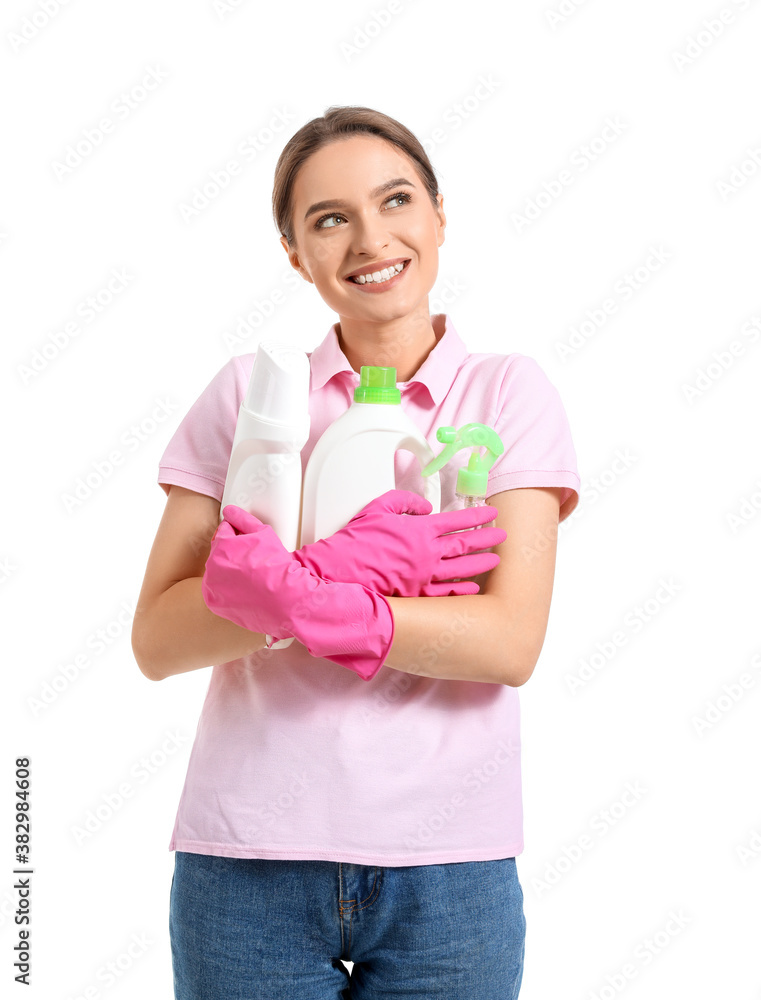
column 323, row 818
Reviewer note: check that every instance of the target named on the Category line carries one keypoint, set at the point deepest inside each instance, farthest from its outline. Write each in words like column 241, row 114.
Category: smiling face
column 359, row 205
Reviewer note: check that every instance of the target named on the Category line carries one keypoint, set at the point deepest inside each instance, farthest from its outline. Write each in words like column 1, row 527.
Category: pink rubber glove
column 391, row 551
column 253, row 580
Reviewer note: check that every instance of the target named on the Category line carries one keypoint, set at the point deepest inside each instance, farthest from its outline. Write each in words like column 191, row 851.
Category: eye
column 325, row 218
column 400, row 194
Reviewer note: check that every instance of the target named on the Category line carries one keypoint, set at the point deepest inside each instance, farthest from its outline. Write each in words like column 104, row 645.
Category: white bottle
column 353, row 461
column 264, row 472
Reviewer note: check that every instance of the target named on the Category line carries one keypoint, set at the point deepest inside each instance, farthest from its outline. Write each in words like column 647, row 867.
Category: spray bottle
column 353, row 461
column 264, row 472
column 472, row 482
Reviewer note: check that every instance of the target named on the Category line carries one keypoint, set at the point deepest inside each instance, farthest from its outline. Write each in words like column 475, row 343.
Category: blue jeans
column 257, row 929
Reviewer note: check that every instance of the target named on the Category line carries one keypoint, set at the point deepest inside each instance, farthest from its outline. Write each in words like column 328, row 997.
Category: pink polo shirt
column 296, row 757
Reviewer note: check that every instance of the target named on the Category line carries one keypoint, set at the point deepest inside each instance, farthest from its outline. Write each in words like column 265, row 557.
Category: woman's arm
column 173, row 630
column 495, row 636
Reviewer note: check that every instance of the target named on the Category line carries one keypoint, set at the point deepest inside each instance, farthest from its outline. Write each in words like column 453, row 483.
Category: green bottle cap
column 377, row 385
column 472, row 480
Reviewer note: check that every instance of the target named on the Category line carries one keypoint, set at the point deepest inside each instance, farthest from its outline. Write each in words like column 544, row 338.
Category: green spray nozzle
column 472, row 480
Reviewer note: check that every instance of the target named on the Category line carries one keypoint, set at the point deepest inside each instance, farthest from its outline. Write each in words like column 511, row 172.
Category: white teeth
column 380, row 276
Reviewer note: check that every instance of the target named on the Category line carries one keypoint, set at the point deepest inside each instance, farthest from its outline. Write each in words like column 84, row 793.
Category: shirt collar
column 436, row 373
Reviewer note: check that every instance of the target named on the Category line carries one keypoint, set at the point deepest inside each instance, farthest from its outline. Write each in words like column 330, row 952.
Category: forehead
column 351, row 166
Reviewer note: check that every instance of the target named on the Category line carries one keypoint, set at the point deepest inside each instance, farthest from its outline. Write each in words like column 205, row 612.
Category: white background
column 516, row 96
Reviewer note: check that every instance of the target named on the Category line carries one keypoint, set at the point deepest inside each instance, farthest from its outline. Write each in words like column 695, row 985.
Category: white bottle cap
column 278, row 390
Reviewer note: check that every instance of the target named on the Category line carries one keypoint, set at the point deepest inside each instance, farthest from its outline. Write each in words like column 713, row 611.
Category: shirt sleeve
column 198, row 453
column 532, row 423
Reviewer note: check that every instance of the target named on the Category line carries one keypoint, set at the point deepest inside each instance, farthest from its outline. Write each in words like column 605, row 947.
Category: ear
column 294, row 259
column 442, row 219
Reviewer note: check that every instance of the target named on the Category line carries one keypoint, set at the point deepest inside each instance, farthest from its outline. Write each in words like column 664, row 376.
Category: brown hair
column 340, row 123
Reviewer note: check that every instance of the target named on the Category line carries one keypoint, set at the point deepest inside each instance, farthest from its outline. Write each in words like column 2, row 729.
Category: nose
column 370, row 234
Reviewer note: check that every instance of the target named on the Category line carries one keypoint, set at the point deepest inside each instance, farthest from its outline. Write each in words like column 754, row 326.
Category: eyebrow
column 340, row 203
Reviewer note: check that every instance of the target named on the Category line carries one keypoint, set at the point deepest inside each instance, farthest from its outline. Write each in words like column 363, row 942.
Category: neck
column 402, row 343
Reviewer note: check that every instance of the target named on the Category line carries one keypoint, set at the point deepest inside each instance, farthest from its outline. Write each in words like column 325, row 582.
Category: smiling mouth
column 379, row 277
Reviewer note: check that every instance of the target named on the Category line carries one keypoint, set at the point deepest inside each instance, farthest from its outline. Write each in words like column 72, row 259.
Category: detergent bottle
column 472, row 481
column 264, row 472
column 353, row 461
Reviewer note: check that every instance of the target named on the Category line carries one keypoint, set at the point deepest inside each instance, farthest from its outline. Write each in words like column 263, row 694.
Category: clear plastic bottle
column 472, row 481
